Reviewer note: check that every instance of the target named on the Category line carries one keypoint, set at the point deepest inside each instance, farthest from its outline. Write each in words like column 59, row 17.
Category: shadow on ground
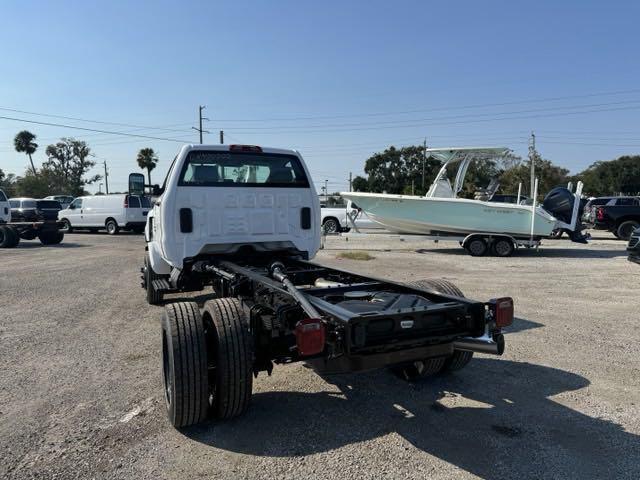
column 521, row 324
column 494, row 419
column 38, row 244
column 585, row 252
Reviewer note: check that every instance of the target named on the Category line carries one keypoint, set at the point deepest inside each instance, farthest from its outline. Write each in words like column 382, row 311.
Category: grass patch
column 355, row 255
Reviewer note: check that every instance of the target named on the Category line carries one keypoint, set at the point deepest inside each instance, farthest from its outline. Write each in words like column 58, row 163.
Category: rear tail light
column 245, row 148
column 126, row 201
column 502, row 310
column 310, row 336
column 600, row 213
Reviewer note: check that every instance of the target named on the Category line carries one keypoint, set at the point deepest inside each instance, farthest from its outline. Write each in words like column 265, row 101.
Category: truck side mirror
column 136, row 184
column 156, row 190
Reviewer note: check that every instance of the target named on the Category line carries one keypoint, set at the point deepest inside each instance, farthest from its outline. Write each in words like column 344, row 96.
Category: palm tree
column 148, row 160
column 24, row 142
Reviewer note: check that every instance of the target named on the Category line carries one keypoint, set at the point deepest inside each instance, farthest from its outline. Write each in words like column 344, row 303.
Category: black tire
column 230, row 347
column 625, row 229
column 112, row 226
column 153, row 296
column 460, row 358
column 503, row 247
column 51, row 238
column 9, row 238
column 66, row 226
column 420, row 369
column 184, row 364
column 331, row 225
column 477, row 247
column 439, row 285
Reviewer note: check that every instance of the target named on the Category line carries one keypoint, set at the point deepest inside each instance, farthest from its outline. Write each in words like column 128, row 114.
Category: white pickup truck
column 342, row 219
column 244, row 221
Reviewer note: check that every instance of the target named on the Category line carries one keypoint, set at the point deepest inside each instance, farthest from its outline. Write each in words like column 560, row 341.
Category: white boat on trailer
column 478, row 224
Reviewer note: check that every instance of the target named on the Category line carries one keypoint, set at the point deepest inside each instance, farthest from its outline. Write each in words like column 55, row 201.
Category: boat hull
column 426, row 216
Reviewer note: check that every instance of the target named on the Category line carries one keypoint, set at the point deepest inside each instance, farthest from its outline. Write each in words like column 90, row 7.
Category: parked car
column 589, row 211
column 110, row 212
column 65, row 200
column 5, row 208
column 633, row 247
column 33, row 210
column 621, row 216
column 334, row 219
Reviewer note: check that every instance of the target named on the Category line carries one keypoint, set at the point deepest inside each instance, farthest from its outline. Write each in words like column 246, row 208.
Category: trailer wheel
column 420, row 369
column 9, row 238
column 51, row 238
column 153, row 296
column 184, row 364
column 460, row 358
column 477, row 247
column 625, row 229
column 112, row 226
column 503, row 247
column 231, row 356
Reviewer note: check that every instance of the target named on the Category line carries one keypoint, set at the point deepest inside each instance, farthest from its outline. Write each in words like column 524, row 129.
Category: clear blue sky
column 333, row 78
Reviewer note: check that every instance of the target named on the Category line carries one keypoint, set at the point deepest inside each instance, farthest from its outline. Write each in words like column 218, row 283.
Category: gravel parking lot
column 81, row 389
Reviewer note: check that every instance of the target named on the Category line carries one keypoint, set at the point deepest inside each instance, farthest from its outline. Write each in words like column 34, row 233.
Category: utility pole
column 200, row 130
column 350, row 181
column 106, row 177
column 424, row 160
column 326, row 191
column 532, row 160
column 221, row 137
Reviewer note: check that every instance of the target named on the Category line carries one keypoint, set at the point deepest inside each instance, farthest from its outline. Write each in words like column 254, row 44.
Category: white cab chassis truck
column 244, row 221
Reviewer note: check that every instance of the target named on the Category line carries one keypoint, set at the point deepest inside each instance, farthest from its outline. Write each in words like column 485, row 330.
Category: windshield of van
column 250, row 169
column 2, row 197
column 49, row 205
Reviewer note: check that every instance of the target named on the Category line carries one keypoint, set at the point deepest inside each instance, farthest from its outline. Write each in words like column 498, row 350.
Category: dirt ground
column 81, row 388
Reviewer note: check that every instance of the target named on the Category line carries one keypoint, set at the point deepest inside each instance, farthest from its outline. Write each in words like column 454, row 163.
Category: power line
column 464, row 107
column 124, row 134
column 141, row 127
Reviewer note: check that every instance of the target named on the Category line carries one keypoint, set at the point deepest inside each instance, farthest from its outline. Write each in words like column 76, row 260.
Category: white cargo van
column 111, row 212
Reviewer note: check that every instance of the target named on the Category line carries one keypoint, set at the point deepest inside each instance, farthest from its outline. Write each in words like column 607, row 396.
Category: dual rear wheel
column 207, row 361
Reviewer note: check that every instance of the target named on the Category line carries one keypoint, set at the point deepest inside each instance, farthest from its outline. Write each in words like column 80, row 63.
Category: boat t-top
column 478, row 223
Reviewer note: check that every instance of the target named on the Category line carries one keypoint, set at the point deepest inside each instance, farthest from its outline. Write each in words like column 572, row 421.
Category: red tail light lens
column 126, row 201
column 245, row 148
column 310, row 336
column 502, row 309
column 600, row 213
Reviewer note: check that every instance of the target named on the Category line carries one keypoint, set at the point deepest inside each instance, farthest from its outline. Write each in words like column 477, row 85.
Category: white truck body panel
column 5, row 208
column 225, row 217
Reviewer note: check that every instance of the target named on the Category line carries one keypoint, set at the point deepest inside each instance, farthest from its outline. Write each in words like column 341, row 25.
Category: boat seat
column 485, row 194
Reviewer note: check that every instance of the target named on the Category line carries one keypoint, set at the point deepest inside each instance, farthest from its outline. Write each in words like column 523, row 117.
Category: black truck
column 28, row 219
column 621, row 218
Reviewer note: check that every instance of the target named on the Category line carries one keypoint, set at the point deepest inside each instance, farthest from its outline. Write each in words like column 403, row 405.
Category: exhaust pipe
column 485, row 344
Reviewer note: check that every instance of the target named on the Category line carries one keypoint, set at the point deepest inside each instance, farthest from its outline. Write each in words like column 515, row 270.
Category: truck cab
column 232, row 200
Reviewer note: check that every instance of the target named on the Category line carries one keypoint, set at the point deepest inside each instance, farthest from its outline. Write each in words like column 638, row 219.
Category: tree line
column 66, row 170
column 400, row 171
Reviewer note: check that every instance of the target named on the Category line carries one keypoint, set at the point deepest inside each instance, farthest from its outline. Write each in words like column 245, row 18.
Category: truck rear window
column 242, row 169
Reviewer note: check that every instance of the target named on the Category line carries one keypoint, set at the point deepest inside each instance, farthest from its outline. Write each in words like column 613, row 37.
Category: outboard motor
column 559, row 202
